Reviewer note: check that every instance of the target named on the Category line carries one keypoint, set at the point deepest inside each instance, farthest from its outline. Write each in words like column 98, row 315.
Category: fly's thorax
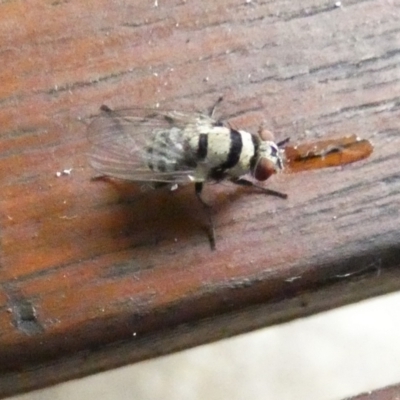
column 246, row 155
column 210, row 148
column 268, row 160
column 223, row 151
column 211, row 145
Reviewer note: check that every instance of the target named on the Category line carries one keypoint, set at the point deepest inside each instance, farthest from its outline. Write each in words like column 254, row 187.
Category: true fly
column 175, row 147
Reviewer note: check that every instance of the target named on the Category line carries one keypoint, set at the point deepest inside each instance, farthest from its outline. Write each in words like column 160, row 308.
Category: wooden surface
column 389, row 393
column 95, row 275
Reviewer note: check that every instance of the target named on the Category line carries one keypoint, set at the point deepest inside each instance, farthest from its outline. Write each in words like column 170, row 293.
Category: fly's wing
column 123, row 143
column 326, row 153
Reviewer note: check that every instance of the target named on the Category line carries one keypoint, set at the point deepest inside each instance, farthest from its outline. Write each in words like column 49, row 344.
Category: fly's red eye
column 265, row 135
column 264, row 169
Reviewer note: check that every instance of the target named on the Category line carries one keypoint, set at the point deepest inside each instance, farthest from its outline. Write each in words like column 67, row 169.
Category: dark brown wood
column 389, row 393
column 94, row 275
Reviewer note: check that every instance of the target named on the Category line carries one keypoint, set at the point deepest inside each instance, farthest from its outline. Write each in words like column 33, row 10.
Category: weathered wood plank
column 388, row 393
column 95, row 275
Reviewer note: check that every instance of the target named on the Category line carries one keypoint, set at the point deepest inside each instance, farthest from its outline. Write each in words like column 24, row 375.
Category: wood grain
column 388, row 393
column 94, row 275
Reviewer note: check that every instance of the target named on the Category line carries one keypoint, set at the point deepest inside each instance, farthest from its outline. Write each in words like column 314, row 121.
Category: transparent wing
column 122, row 142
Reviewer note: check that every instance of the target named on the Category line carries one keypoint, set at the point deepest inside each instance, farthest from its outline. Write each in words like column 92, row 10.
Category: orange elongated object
column 326, row 153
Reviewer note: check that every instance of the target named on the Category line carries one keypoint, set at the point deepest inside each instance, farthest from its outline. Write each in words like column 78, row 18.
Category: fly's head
column 270, row 157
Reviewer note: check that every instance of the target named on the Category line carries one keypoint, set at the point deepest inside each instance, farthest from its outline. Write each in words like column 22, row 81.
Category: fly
column 174, row 147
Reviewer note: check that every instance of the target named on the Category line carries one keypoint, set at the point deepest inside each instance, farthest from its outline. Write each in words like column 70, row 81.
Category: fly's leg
column 283, row 142
column 244, row 182
column 106, row 109
column 198, row 188
column 100, row 177
column 214, row 107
